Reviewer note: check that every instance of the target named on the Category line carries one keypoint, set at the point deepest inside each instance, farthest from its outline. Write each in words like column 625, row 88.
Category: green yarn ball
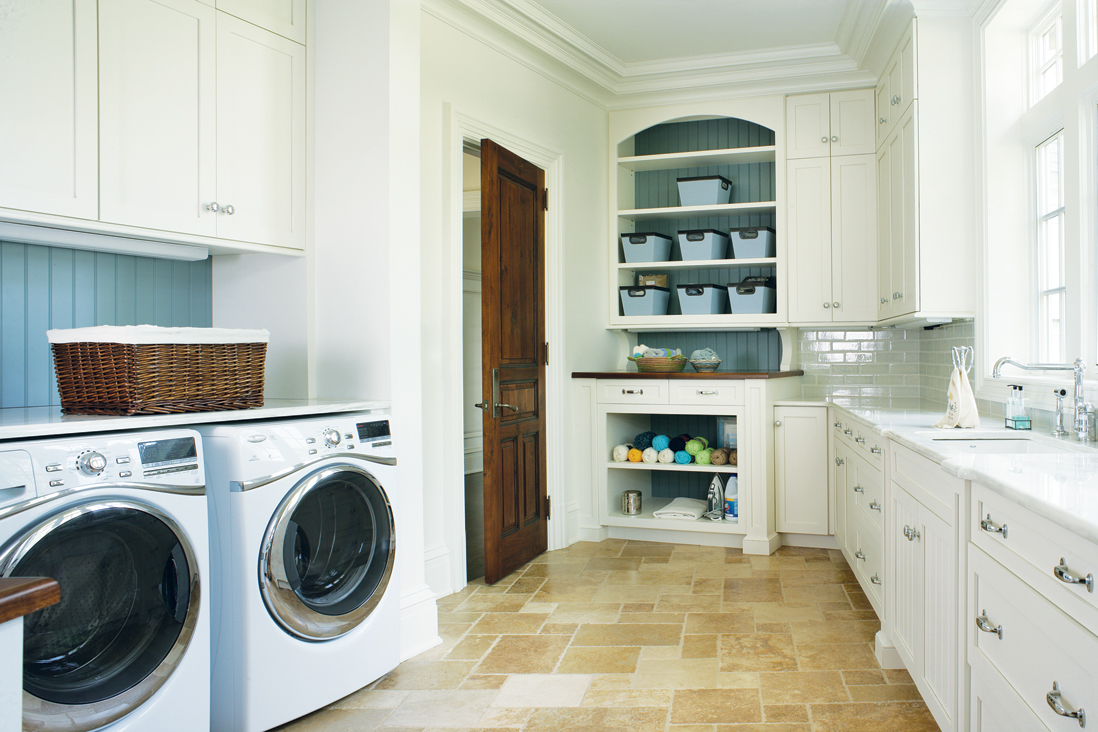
column 702, row 458
column 694, row 447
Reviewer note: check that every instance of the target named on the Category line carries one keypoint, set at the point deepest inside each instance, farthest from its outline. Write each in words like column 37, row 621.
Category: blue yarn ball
column 660, row 442
column 643, row 440
column 682, row 457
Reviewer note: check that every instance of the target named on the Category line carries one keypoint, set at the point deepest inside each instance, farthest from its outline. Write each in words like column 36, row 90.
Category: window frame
column 1036, row 68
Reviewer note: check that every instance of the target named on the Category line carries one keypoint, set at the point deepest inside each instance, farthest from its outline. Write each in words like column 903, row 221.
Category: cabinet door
column 809, row 240
column 901, row 78
column 852, row 128
column 808, row 125
column 937, row 548
column 884, row 232
column 284, row 17
column 838, row 490
column 156, row 112
column 907, row 132
column 884, row 108
column 48, row 128
column 853, row 238
column 907, row 580
column 800, row 448
column 260, row 135
column 896, row 223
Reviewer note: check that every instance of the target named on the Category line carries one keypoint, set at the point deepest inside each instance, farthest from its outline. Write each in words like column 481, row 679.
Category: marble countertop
column 36, row 422
column 1061, row 486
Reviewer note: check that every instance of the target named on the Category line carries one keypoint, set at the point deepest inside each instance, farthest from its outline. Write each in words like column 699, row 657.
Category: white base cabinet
column 801, row 491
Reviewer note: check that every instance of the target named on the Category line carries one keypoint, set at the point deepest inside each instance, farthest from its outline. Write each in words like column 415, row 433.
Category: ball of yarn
column 702, row 458
column 703, row 441
column 660, row 442
column 676, row 444
column 732, row 460
column 643, row 440
column 634, row 455
column 682, row 457
column 649, row 455
column 694, row 447
column 719, row 456
column 621, row 453
column 666, row 456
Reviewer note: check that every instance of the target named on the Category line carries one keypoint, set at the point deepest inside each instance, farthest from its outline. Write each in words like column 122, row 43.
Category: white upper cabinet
column 48, row 127
column 897, row 88
column 840, row 123
column 158, row 164
column 260, row 135
column 284, row 17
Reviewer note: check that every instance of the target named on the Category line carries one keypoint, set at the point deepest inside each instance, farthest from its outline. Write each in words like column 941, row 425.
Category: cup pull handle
column 1062, row 573
column 1053, row 699
column 991, row 528
column 985, row 625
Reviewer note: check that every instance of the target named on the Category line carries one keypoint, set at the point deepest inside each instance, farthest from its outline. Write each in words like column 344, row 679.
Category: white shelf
column 699, row 159
column 689, row 468
column 645, row 520
column 698, row 212
column 700, row 264
column 696, row 322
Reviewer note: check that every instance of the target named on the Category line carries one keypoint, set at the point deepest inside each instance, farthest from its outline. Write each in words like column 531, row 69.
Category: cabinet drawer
column 633, row 391
column 862, row 440
column 994, row 706
column 1039, row 645
column 867, row 493
column 867, row 561
column 1032, row 547
column 925, row 480
column 706, row 392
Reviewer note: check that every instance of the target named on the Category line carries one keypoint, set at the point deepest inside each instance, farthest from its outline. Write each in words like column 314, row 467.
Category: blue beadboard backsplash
column 50, row 287
column 740, row 351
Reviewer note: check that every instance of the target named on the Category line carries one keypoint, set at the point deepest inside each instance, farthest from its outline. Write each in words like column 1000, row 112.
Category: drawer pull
column 1061, row 573
column 638, row 392
column 859, row 555
column 985, row 625
column 859, row 489
column 859, row 440
column 991, row 528
column 1053, row 699
column 848, row 432
column 875, row 506
column 875, row 450
column 875, row 580
column 839, row 425
column 839, row 461
column 911, row 533
column 707, row 392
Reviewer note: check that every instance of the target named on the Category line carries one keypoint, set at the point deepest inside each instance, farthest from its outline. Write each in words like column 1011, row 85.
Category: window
column 1047, row 54
column 1088, row 30
column 1051, row 283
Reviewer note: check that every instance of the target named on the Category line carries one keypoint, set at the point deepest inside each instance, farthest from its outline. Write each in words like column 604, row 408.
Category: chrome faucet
column 1083, row 409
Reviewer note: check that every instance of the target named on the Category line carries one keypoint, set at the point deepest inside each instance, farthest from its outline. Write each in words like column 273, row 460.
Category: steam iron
column 714, row 504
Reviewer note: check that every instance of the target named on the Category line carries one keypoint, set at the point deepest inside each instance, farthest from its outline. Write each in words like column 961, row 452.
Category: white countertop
column 36, row 422
column 1062, row 487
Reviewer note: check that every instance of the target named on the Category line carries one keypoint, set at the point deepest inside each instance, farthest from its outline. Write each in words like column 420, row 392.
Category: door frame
column 460, row 128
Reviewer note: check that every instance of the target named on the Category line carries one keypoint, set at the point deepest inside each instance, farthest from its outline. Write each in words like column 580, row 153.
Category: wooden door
column 513, row 350
column 157, row 117
column 260, row 135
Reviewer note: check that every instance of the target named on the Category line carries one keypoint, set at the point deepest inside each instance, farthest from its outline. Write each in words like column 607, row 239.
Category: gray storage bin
column 702, row 299
column 753, row 242
column 646, row 247
column 703, row 244
column 706, row 190
column 644, row 300
column 752, row 296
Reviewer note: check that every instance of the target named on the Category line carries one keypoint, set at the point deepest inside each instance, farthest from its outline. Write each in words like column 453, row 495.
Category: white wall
column 482, row 83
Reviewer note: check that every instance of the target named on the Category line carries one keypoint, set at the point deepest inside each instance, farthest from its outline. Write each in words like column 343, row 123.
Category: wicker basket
column 706, row 366
column 114, row 378
column 673, row 365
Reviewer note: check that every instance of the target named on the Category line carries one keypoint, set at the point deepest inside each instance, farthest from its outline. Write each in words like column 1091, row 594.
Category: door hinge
column 548, row 508
column 545, row 199
column 547, row 354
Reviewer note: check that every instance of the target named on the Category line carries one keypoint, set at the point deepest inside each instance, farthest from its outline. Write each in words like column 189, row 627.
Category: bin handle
column 636, row 292
column 635, row 239
column 745, row 290
column 695, row 237
column 694, row 291
column 749, row 233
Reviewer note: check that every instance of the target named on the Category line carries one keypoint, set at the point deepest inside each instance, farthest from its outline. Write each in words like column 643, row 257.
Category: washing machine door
column 328, row 552
column 129, row 603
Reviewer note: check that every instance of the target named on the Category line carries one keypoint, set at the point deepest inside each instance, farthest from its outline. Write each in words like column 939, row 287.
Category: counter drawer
column 867, row 493
column 863, row 440
column 728, row 393
column 632, row 391
column 994, row 706
column 1039, row 645
column 925, row 480
column 1032, row 547
column 867, row 562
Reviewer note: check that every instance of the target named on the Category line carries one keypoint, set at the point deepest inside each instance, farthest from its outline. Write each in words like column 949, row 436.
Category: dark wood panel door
column 513, row 350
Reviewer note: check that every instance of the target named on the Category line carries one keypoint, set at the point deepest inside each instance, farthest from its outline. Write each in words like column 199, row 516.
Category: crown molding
column 858, row 27
column 950, row 8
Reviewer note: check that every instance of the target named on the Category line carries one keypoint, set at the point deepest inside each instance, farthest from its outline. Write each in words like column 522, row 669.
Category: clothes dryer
column 120, row 521
column 303, row 543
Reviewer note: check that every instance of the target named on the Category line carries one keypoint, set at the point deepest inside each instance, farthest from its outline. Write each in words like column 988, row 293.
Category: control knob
column 91, row 463
column 331, row 437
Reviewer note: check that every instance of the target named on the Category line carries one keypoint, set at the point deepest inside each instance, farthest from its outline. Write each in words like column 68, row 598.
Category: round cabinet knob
column 823, row 139
column 229, row 210
column 884, row 300
column 91, row 463
column 835, row 305
column 213, row 207
column 883, row 120
column 777, row 423
column 827, row 305
column 331, row 437
column 834, row 139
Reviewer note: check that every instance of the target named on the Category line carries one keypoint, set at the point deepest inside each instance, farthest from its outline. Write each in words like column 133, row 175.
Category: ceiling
column 652, row 31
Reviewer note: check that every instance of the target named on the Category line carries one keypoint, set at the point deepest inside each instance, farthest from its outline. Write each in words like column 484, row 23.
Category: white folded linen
column 688, row 509
column 156, row 335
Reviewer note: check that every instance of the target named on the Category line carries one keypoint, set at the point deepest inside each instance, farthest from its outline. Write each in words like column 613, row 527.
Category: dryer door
column 328, row 552
column 129, row 603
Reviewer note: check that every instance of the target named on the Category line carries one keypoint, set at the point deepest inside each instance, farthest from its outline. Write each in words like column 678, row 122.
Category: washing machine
column 303, row 543
column 120, row 521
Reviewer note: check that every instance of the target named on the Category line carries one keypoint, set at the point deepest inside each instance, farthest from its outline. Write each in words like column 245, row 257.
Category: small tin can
column 631, row 503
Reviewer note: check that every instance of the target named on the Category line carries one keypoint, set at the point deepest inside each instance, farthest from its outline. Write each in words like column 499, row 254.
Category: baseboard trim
column 886, row 653
column 437, row 569
column 665, row 536
column 812, row 541
column 418, row 622
column 762, row 547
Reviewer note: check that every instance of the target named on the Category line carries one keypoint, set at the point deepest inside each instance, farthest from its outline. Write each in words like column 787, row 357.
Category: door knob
column 507, row 406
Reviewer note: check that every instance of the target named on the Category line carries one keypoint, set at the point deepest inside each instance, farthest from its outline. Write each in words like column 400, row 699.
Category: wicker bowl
column 706, row 365
column 672, row 365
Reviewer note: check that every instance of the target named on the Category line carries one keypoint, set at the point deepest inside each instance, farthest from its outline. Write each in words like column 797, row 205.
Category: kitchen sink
column 995, row 444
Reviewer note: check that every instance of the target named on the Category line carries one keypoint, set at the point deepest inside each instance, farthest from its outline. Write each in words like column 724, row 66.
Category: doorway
column 471, row 335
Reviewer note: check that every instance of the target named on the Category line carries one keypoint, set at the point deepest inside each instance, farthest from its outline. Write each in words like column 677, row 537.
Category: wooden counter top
column 21, row 596
column 685, row 375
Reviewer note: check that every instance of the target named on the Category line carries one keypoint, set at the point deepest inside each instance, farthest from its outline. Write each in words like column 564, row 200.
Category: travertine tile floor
column 637, row 636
